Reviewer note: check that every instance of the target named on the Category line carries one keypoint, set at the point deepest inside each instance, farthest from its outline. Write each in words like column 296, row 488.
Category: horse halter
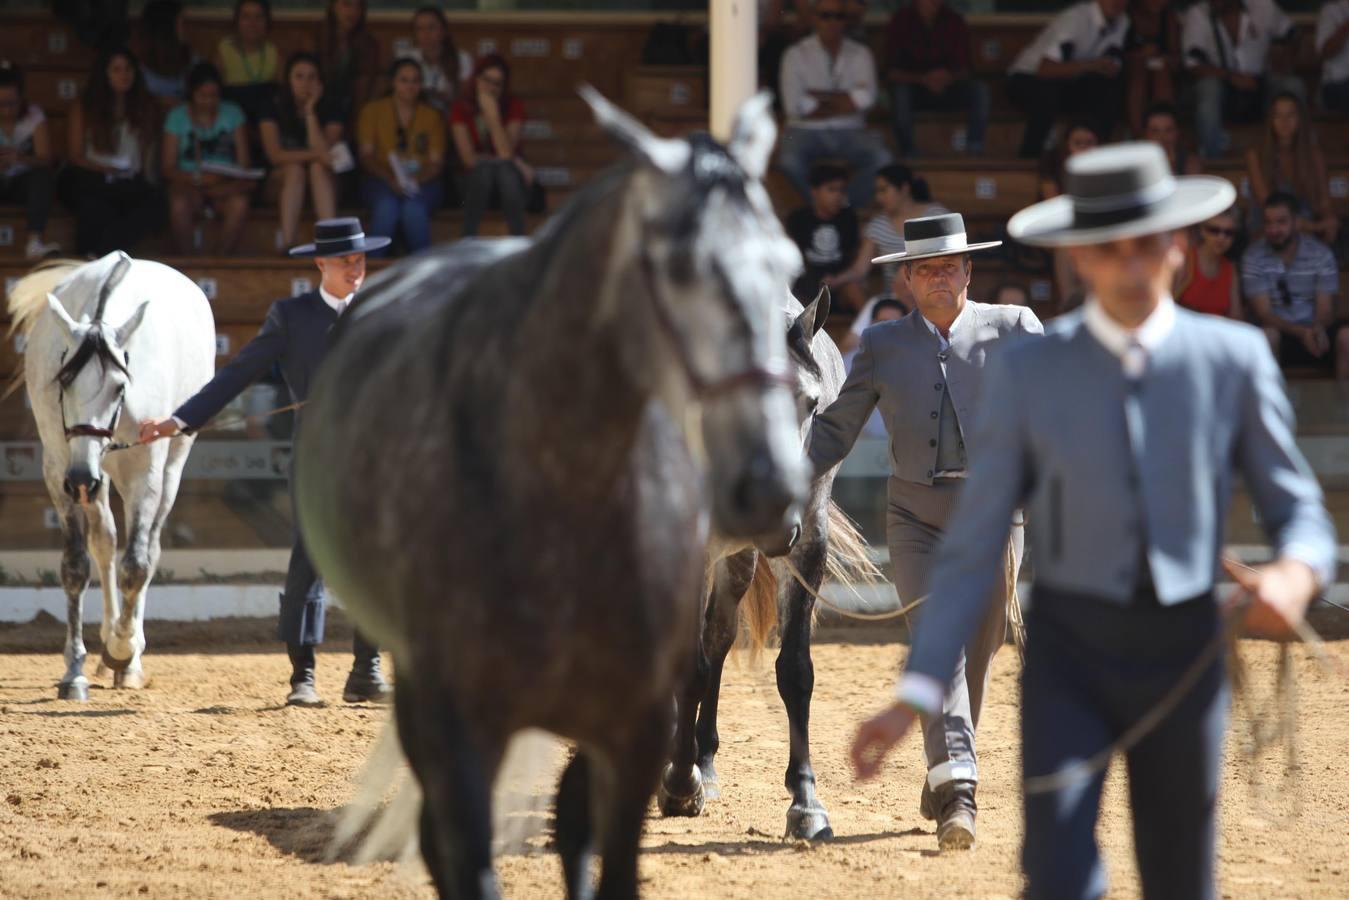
column 85, row 429
column 703, row 387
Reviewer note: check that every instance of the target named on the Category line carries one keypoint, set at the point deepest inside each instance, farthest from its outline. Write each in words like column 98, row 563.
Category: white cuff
column 1315, row 561
column 862, row 98
column 182, row 426
column 923, row 692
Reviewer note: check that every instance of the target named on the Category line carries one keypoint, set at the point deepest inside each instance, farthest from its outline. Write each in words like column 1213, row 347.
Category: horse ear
column 814, row 316
column 128, row 328
column 753, row 134
column 670, row 156
column 58, row 309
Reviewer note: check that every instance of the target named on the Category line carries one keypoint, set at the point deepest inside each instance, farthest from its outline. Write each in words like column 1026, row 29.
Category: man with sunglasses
column 1291, row 282
column 828, row 82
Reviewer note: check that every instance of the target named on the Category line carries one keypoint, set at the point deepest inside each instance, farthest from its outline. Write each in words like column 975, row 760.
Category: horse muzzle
column 82, row 484
column 763, row 498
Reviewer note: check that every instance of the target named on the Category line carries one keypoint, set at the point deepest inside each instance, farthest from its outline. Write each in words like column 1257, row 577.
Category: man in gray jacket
column 924, row 373
column 1120, row 431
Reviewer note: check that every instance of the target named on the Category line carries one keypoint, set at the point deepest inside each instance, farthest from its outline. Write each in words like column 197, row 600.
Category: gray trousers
column 916, row 517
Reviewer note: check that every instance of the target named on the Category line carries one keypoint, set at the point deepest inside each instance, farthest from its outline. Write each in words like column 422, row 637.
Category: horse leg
column 719, row 631
column 102, row 543
column 573, row 829
column 807, row 817
column 456, row 768
column 623, row 787
column 75, row 579
column 681, row 784
column 145, row 517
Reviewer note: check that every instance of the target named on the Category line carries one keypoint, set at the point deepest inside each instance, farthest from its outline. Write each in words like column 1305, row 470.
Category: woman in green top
column 247, row 59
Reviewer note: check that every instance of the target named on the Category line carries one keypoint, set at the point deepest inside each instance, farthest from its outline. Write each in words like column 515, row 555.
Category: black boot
column 956, row 811
column 366, row 682
column 302, row 689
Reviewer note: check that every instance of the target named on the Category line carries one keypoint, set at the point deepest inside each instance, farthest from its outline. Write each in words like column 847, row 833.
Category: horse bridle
column 703, row 387
column 84, row 429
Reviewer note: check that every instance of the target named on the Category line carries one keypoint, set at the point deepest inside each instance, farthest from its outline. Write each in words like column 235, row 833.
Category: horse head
column 92, row 383
column 704, row 262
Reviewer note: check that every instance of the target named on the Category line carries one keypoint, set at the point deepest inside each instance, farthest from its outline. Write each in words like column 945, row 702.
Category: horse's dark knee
column 75, row 562
column 133, row 573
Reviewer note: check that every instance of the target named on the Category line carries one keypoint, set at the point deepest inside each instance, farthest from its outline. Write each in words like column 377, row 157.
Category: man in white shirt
column 1073, row 67
column 295, row 338
column 1227, row 46
column 1332, row 48
column 1121, row 432
column 828, row 82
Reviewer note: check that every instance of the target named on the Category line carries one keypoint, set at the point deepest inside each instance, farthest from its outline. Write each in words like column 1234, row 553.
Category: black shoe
column 955, row 823
column 302, row 681
column 926, row 804
column 366, row 682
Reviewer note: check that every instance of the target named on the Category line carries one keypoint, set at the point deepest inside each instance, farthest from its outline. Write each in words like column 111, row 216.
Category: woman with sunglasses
column 486, row 122
column 1207, row 282
column 402, row 149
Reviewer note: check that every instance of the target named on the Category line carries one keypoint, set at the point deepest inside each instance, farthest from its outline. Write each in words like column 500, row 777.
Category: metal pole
column 734, row 60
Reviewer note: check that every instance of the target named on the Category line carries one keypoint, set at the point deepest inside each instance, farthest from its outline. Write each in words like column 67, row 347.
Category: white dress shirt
column 807, row 66
column 1332, row 16
column 1082, row 28
column 1262, row 23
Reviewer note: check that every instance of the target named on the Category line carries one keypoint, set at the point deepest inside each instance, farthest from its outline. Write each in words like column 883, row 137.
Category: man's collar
column 1116, row 338
column 336, row 304
column 955, row 323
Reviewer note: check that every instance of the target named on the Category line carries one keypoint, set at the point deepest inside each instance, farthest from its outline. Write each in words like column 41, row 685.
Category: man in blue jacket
column 295, row 336
column 1119, row 432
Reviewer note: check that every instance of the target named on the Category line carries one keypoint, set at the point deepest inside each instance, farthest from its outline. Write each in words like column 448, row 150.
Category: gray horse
column 749, row 583
column 510, row 486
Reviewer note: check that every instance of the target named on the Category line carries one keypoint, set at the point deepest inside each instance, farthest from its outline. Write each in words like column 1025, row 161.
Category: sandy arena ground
column 202, row 785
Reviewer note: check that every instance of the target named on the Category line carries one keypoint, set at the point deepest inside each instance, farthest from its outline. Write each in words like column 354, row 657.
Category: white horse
column 109, row 343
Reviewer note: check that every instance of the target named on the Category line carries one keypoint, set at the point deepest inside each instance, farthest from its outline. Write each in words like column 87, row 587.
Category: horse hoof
column 113, row 663
column 711, row 788
column 808, row 824
column 129, row 679
column 686, row 803
column 73, row 690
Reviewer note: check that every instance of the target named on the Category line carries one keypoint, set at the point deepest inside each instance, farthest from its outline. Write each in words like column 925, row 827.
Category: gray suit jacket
column 1111, row 470
column 897, row 370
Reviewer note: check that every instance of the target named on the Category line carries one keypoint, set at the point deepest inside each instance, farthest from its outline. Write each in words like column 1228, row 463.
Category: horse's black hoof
column 684, row 800
column 73, row 690
column 808, row 824
column 113, row 663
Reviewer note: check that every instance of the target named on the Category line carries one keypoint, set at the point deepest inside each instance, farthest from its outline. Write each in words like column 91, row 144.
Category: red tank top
column 1208, row 295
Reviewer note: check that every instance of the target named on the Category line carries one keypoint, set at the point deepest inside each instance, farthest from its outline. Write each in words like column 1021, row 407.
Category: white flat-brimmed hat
column 1120, row 191
column 942, row 235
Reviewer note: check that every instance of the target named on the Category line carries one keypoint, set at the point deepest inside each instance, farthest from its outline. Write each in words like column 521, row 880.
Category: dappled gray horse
column 746, row 581
column 511, row 486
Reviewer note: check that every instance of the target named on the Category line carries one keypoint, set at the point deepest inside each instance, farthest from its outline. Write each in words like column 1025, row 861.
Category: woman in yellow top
column 402, row 149
column 247, row 60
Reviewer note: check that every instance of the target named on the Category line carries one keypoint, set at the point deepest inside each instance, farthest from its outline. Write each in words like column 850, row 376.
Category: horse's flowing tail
column 847, row 562
column 28, row 298
column 370, row 829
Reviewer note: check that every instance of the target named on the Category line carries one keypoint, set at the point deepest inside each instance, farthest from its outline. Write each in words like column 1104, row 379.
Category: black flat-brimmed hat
column 942, row 235
column 339, row 237
column 1120, row 191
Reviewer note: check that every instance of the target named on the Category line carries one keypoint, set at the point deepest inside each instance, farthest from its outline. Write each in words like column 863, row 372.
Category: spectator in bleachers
column 776, row 33
column 1152, row 58
column 1161, row 125
column 1073, row 67
column 350, row 56
column 486, row 123
column 1227, row 48
column 826, row 232
column 402, row 149
column 1009, row 293
column 1289, row 160
column 928, row 64
column 110, row 139
column 828, row 84
column 166, row 56
column 205, row 130
column 444, row 65
column 1291, row 282
column 299, row 127
column 1207, row 282
column 1076, row 138
column 901, row 195
column 247, row 59
column 1332, row 47
column 25, row 159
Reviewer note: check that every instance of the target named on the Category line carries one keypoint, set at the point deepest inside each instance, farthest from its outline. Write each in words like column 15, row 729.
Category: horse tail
column 759, row 607
column 849, row 558
column 28, row 298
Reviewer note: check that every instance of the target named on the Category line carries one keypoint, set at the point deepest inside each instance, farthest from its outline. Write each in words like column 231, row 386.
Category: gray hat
column 942, row 235
column 339, row 237
column 1120, row 191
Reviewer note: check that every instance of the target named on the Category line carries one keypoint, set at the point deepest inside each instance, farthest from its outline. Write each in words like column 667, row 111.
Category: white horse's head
column 92, row 384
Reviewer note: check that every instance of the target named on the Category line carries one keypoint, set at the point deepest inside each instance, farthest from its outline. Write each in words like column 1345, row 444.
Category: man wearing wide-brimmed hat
column 924, row 372
column 1120, row 432
column 295, row 336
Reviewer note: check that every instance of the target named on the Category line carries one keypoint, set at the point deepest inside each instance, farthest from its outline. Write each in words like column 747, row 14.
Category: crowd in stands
column 162, row 136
